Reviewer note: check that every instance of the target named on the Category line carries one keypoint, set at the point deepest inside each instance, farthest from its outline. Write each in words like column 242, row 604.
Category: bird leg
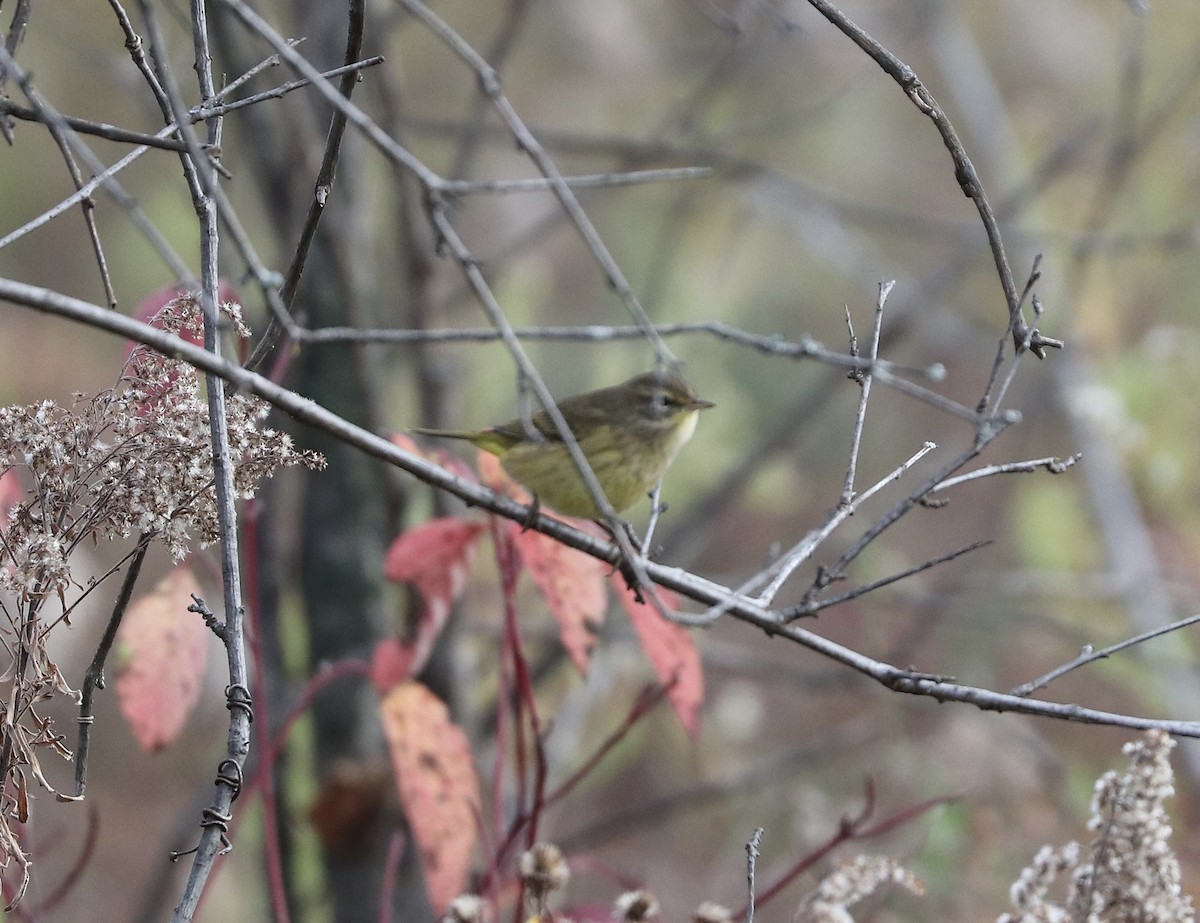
column 531, row 514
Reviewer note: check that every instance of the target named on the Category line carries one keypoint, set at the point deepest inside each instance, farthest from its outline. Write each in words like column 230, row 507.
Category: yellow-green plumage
column 629, row 433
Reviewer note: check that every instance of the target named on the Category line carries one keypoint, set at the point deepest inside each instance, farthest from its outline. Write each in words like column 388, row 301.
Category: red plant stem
column 391, row 874
column 514, row 691
column 527, row 704
column 850, row 828
column 258, row 685
column 647, row 699
column 491, row 878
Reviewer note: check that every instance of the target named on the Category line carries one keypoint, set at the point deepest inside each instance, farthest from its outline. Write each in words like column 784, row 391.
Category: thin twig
column 803, row 551
column 784, row 565
column 587, row 181
column 751, row 866
column 993, row 396
column 103, row 176
column 162, row 141
column 203, row 181
column 387, row 145
column 1087, row 655
column 964, row 170
column 1053, row 464
column 657, row 508
column 864, row 378
column 813, row 607
column 93, row 677
column 12, row 41
column 489, row 82
column 62, row 140
column 321, row 192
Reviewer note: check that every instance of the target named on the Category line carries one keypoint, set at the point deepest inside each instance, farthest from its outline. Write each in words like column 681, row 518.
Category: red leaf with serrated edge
column 435, row 557
column 572, row 583
column 671, row 650
column 438, row 788
column 164, row 650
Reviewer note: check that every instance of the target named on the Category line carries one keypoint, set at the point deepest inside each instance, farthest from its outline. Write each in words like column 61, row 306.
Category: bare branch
column 686, row 584
column 964, row 170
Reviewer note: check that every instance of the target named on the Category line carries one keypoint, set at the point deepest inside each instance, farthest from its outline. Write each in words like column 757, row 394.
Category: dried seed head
column 467, row 908
column 544, row 869
column 635, row 906
column 712, row 912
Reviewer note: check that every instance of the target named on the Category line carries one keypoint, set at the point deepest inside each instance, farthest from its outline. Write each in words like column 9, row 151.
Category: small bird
column 629, row 433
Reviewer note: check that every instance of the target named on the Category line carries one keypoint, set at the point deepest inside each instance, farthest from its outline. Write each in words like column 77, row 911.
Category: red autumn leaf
column 149, row 307
column 435, row 557
column 451, row 463
column 164, row 652
column 492, row 473
column 671, row 650
column 438, row 788
column 392, row 664
column 10, row 495
column 407, row 443
column 572, row 583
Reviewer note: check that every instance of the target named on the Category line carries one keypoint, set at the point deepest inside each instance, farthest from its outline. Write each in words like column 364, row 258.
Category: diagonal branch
column 692, row 586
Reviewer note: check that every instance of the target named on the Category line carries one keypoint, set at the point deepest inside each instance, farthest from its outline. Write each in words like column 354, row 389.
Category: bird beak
column 699, row 404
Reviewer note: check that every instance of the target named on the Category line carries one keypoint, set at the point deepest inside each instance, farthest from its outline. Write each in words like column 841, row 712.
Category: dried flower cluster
column 1130, row 873
column 849, row 883
column 136, row 459
column 132, row 460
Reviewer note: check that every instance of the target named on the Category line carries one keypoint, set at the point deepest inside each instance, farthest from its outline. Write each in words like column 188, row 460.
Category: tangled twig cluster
column 132, row 460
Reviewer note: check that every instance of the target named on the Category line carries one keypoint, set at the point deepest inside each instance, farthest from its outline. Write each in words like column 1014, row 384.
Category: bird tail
column 444, row 433
column 489, row 440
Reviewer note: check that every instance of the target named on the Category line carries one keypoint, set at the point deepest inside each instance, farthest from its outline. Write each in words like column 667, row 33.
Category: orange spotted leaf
column 438, row 788
column 164, row 650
